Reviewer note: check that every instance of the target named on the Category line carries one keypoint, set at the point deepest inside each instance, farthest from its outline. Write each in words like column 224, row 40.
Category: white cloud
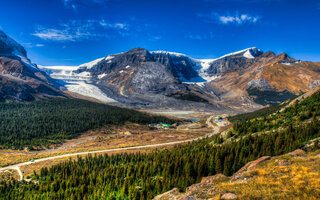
column 75, row 30
column 244, row 18
column 121, row 26
column 230, row 19
column 39, row 45
column 54, row 34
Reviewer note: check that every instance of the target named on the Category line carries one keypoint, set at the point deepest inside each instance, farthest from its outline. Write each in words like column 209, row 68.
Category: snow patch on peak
column 102, row 75
column 89, row 65
column 169, row 53
column 239, row 52
column 28, row 63
column 248, row 55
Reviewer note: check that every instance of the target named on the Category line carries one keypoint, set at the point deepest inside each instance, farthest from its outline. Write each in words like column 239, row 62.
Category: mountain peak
column 10, row 46
column 137, row 50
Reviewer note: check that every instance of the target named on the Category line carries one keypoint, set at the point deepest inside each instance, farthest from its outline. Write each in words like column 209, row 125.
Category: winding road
column 17, row 166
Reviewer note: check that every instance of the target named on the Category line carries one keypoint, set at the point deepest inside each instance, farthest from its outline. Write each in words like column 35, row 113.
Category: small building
column 160, row 125
column 194, row 120
column 219, row 118
column 164, row 125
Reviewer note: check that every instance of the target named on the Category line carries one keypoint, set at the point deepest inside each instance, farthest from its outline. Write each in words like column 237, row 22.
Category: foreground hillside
column 291, row 176
column 145, row 175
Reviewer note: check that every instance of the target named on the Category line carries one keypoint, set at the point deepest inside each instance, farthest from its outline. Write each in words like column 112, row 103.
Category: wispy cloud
column 238, row 19
column 54, row 34
column 120, row 26
column 76, row 30
column 230, row 19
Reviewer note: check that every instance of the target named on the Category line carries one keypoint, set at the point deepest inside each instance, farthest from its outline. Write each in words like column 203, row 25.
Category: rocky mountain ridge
column 20, row 79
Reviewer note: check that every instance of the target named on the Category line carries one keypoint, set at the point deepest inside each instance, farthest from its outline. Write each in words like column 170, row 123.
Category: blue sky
column 71, row 32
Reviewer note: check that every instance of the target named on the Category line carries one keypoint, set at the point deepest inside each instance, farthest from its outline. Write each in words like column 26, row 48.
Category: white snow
column 18, row 50
column 85, row 74
column 101, row 76
column 168, row 52
column 127, row 66
column 201, row 84
column 248, row 55
column 59, row 67
column 66, row 73
column 237, row 52
column 88, row 90
column 109, row 57
column 121, row 71
column 89, row 65
column 28, row 63
column 287, row 63
column 77, row 82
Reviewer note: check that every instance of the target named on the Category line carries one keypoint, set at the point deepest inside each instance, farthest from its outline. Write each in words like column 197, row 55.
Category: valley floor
column 128, row 138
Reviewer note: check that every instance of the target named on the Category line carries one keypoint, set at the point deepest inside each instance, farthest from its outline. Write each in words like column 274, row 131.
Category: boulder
column 167, row 195
column 214, row 179
column 297, row 152
column 253, row 164
column 194, row 187
column 229, row 196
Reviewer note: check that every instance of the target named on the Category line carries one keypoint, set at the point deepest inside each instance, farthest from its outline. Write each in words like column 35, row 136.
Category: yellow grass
column 298, row 180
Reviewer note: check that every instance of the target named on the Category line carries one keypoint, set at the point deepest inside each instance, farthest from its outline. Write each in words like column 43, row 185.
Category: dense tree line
column 292, row 115
column 39, row 123
column 142, row 176
column 258, row 113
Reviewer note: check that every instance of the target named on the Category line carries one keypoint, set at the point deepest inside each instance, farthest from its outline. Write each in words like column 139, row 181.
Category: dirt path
column 17, row 166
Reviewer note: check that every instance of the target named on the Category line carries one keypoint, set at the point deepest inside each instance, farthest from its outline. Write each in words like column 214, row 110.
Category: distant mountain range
column 240, row 81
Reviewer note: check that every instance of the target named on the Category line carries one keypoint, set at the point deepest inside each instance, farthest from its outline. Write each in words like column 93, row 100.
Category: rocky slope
column 21, row 80
column 290, row 176
column 240, row 81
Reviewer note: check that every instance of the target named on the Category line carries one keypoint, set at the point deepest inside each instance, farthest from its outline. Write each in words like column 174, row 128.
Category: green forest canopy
column 40, row 123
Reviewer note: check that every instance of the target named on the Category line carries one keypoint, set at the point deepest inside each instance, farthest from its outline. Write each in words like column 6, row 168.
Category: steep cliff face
column 21, row 80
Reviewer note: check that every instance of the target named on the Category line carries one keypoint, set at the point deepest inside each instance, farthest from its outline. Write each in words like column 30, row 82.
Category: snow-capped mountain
column 154, row 79
column 20, row 79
